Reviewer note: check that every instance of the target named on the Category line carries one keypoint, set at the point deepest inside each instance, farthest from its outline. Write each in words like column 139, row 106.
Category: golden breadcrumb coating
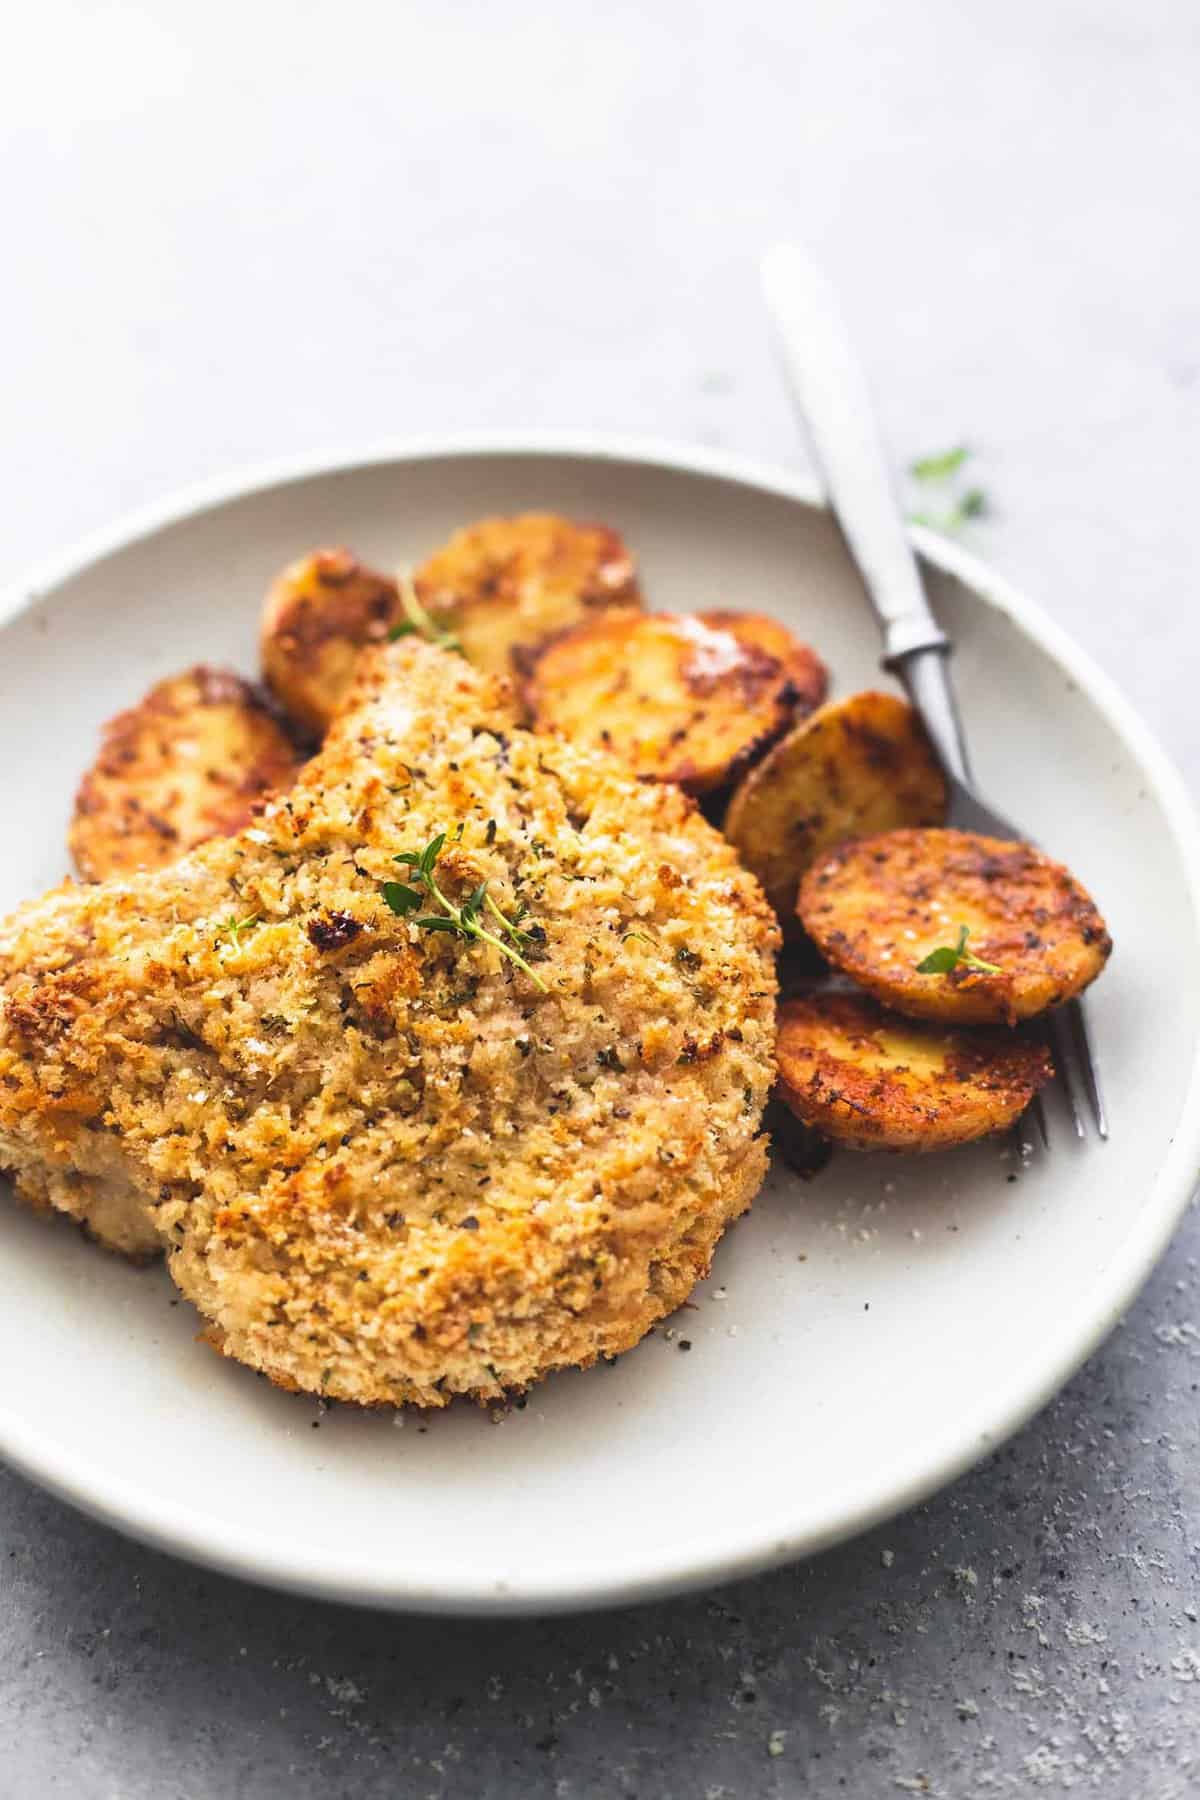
column 190, row 761
column 384, row 1166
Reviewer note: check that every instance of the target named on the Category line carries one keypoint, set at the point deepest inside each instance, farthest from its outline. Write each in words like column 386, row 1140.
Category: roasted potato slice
column 879, row 907
column 857, row 767
column 503, row 586
column 318, row 614
column 686, row 697
column 188, row 762
column 873, row 1081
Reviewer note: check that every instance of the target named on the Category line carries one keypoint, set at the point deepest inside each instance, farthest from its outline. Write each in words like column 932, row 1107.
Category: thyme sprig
column 461, row 921
column 941, row 465
column 953, row 956
column 417, row 621
column 232, row 929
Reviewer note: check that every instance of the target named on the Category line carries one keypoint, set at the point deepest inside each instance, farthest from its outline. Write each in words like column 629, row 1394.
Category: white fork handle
column 831, row 395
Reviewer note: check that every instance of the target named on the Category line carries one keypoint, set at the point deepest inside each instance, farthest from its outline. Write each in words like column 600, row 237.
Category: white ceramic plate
column 862, row 1338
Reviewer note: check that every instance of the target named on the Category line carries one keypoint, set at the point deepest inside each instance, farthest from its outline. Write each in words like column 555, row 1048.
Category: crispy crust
column 385, row 1167
column 690, row 698
column 190, row 761
column 319, row 614
column 876, row 908
column 504, row 586
column 857, row 767
column 871, row 1080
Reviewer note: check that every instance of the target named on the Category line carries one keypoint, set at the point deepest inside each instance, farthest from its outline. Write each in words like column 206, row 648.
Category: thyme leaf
column 231, row 931
column 940, row 471
column 940, row 466
column 400, row 897
column 953, row 956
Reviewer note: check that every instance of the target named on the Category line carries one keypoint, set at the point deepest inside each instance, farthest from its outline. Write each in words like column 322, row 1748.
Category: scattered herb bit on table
column 938, row 470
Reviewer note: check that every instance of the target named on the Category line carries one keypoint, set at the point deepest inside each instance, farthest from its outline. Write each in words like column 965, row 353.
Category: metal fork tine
column 1060, row 1038
column 1077, row 1019
column 1020, row 1136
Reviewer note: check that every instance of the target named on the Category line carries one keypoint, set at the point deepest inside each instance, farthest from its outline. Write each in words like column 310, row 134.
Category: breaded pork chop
column 383, row 1164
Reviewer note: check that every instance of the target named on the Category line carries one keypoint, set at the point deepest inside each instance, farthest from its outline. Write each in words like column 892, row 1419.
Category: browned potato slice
column 687, row 697
column 187, row 763
column 873, row 1081
column 879, row 907
column 857, row 767
column 318, row 614
column 503, row 586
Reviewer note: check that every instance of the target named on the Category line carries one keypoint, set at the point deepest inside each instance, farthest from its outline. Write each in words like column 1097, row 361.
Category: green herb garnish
column 405, row 897
column 954, row 956
column 973, row 505
column 937, row 470
column 417, row 622
column 232, row 930
column 940, row 466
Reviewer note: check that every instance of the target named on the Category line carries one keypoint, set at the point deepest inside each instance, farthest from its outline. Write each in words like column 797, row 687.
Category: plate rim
column 728, row 1556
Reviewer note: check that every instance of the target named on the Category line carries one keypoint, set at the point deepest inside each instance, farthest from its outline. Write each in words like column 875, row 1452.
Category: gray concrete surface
column 236, row 231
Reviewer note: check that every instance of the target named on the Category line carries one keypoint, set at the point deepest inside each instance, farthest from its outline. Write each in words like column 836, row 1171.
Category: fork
column 831, row 396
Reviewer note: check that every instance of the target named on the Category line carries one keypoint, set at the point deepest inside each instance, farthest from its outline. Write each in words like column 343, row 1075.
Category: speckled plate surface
column 861, row 1339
